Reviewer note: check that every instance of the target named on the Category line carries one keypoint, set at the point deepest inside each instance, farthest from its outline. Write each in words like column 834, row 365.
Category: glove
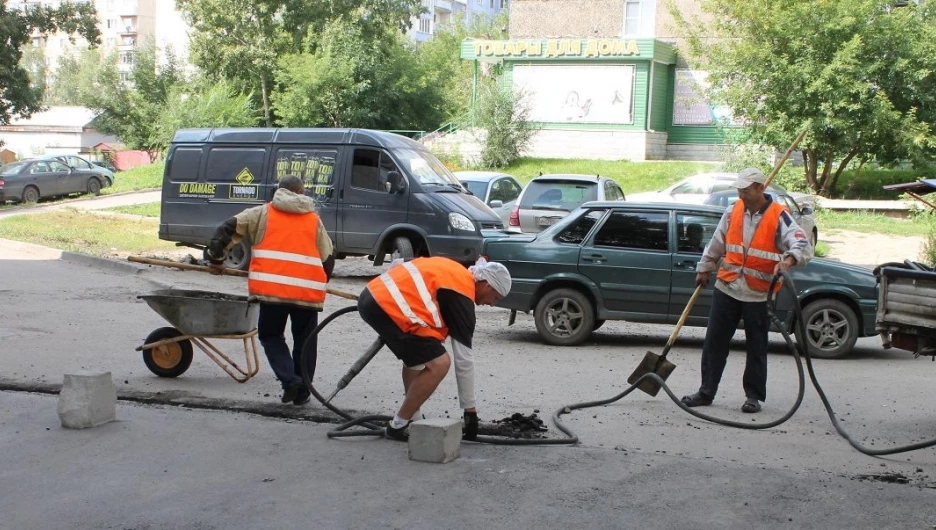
column 470, row 431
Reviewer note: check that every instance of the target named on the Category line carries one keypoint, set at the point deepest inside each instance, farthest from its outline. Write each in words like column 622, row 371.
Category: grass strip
column 80, row 231
column 150, row 209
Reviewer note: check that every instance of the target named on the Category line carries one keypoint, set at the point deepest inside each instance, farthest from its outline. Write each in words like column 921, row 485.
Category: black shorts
column 411, row 349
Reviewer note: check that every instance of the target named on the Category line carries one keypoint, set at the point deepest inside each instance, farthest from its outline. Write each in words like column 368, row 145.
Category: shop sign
column 587, row 48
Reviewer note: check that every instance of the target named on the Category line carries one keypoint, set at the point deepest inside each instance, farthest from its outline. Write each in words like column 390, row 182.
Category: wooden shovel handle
column 225, row 270
column 776, row 169
column 682, row 318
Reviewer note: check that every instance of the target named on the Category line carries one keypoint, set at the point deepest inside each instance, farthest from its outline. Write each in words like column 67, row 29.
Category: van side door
column 316, row 167
column 367, row 206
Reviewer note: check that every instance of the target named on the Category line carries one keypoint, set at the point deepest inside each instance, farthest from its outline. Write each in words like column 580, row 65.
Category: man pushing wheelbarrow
column 291, row 261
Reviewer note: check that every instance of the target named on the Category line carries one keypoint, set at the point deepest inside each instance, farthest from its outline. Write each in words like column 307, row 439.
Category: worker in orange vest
column 413, row 307
column 291, row 261
column 757, row 239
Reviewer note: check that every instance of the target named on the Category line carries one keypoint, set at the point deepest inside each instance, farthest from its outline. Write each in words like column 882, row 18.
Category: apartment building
column 123, row 25
column 440, row 13
column 603, row 80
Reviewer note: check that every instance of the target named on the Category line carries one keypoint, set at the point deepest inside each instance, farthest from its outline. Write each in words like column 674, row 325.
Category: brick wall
column 553, row 19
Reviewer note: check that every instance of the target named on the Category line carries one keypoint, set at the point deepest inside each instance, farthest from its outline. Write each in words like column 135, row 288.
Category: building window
column 425, row 25
column 503, row 4
column 111, row 23
column 631, row 17
column 124, row 77
column 110, row 42
column 126, row 58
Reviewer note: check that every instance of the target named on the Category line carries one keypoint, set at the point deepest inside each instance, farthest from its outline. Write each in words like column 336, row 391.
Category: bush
column 928, row 252
column 504, row 118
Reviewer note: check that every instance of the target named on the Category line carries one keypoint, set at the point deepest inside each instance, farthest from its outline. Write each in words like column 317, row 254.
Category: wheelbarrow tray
column 203, row 313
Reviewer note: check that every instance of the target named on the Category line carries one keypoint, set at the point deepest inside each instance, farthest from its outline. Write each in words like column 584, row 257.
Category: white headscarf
column 495, row 274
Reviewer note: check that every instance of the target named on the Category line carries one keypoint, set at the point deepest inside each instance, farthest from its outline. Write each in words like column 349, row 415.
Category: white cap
column 495, row 274
column 749, row 176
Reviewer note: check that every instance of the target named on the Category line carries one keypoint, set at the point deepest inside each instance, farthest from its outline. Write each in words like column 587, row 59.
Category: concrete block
column 436, row 440
column 87, row 399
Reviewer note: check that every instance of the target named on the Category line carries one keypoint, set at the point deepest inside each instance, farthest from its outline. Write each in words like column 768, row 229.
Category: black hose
column 796, row 348
column 367, row 421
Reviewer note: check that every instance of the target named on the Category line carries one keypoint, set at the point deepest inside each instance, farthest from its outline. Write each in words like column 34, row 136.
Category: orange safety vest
column 407, row 293
column 756, row 262
column 286, row 264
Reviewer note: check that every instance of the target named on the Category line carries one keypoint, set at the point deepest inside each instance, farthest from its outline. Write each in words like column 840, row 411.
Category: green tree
column 241, row 40
column 454, row 76
column 204, row 105
column 74, row 74
column 351, row 79
column 856, row 73
column 131, row 111
column 18, row 95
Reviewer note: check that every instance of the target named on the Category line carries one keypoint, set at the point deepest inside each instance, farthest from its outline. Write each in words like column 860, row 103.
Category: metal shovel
column 653, row 363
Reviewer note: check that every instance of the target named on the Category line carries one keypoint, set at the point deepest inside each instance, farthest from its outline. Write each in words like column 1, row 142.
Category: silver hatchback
column 548, row 198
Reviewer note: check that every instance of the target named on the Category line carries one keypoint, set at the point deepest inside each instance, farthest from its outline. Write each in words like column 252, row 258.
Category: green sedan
column 637, row 261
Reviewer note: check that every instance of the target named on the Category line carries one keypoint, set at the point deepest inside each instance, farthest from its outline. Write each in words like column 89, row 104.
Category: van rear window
column 185, row 164
column 243, row 165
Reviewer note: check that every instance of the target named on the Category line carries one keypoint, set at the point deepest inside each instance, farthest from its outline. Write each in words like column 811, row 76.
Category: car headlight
column 460, row 222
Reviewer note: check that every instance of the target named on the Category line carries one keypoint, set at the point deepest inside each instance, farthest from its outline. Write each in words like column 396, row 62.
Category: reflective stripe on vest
column 407, row 293
column 286, row 264
column 757, row 262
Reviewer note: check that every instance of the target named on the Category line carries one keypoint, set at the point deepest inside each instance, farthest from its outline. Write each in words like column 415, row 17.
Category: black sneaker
column 290, row 393
column 302, row 396
column 401, row 434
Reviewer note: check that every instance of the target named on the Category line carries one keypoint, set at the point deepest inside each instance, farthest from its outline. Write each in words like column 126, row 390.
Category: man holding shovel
column 291, row 261
column 757, row 238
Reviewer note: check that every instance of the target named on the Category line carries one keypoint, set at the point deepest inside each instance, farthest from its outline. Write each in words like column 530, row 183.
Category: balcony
column 443, row 5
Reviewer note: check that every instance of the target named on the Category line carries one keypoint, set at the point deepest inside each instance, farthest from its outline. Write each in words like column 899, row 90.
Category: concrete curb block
column 95, row 261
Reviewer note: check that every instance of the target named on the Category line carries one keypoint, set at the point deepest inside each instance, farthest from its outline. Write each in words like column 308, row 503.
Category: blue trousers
column 271, row 328
column 725, row 314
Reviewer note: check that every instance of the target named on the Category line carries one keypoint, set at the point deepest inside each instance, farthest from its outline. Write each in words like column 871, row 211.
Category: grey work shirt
column 790, row 239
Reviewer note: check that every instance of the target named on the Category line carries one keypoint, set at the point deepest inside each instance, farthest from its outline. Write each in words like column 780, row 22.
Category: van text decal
column 243, row 192
column 197, row 189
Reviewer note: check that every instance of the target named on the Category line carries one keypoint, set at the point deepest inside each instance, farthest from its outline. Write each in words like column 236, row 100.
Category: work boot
column 401, row 434
column 290, row 393
column 302, row 396
column 697, row 400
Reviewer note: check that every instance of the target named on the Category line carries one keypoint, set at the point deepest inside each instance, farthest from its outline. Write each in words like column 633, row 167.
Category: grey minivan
column 377, row 193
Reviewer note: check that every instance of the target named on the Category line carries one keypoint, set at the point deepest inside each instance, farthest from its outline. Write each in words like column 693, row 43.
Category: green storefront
column 606, row 98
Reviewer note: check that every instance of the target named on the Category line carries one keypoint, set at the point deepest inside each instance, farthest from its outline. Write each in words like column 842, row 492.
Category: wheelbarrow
column 196, row 317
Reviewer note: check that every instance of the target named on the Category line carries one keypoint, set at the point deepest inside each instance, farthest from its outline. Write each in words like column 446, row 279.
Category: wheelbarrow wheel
column 168, row 360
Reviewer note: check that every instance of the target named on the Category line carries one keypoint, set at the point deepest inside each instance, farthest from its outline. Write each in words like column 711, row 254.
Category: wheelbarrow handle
column 224, row 270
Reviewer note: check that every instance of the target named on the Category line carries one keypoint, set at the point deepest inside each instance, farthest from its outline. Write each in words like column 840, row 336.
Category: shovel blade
column 651, row 363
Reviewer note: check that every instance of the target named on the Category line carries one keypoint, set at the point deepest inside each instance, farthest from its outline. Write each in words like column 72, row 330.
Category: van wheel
column 402, row 247
column 239, row 257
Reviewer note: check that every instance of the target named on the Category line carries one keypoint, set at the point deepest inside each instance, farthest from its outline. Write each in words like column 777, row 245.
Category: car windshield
column 475, row 187
column 558, row 194
column 12, row 169
column 425, row 168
